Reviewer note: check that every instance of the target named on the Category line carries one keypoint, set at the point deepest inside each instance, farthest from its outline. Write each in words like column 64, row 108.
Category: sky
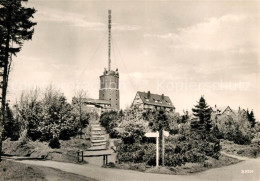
column 183, row 49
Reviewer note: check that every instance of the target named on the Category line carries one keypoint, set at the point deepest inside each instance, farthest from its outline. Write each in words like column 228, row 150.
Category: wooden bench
column 98, row 154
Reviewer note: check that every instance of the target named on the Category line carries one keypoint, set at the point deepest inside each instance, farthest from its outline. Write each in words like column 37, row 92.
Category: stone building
column 228, row 111
column 109, row 83
column 109, row 88
column 147, row 100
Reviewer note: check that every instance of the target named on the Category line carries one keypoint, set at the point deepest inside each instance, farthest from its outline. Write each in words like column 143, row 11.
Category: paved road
column 228, row 173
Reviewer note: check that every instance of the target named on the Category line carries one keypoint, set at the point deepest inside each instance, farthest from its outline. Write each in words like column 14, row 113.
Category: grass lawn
column 66, row 153
column 250, row 151
column 13, row 171
column 188, row 168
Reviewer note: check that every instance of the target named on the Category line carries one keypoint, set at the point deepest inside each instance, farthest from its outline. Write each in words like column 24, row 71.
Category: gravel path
column 247, row 170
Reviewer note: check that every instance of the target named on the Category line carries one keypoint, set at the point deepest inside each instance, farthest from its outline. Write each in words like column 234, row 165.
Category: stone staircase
column 98, row 136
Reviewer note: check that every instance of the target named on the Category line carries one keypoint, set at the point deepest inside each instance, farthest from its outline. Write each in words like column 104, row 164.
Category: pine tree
column 251, row 118
column 11, row 125
column 202, row 130
column 15, row 28
column 202, row 112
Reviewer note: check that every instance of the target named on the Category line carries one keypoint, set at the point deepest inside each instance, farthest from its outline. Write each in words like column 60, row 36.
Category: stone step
column 98, row 141
column 96, row 129
column 98, row 144
column 96, row 121
column 96, row 124
column 96, row 137
column 98, row 133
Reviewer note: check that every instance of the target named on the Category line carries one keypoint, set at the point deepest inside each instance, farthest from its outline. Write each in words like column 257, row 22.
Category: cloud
column 73, row 19
column 50, row 15
column 230, row 32
column 121, row 27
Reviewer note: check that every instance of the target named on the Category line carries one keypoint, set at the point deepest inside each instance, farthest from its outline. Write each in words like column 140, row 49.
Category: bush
column 109, row 120
column 65, row 134
column 137, row 153
column 34, row 134
column 54, row 143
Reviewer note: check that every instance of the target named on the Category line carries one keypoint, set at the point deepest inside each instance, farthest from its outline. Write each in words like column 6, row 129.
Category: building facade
column 228, row 111
column 147, row 100
column 109, row 88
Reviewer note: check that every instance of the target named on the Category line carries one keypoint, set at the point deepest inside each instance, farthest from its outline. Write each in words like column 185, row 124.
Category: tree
column 202, row 112
column 56, row 117
column 251, row 118
column 11, row 126
column 201, row 130
column 79, row 111
column 160, row 122
column 29, row 112
column 15, row 28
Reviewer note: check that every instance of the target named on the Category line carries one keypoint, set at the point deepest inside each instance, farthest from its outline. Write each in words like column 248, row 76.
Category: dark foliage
column 202, row 112
column 251, row 118
column 137, row 153
column 54, row 143
column 203, row 131
column 11, row 125
column 109, row 120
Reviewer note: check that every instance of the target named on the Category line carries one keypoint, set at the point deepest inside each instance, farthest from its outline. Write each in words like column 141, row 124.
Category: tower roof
column 111, row 72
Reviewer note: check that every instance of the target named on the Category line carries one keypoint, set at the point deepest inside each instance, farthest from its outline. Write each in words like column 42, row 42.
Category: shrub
column 54, row 143
column 65, row 134
column 137, row 153
column 109, row 120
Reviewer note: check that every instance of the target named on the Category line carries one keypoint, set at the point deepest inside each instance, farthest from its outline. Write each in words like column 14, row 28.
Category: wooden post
column 165, row 134
column 82, row 156
column 163, row 150
column 157, row 151
column 104, row 160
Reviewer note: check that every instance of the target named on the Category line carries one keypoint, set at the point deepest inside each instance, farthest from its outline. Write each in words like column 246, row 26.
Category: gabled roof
column 221, row 110
column 156, row 99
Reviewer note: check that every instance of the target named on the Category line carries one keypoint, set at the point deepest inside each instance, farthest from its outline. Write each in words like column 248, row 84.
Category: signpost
column 155, row 135
column 165, row 134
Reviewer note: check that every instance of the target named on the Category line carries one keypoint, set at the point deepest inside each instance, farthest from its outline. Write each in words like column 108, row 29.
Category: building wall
column 109, row 89
column 137, row 100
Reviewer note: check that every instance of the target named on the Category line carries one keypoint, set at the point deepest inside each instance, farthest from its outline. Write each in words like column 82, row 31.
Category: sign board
column 165, row 133
column 154, row 135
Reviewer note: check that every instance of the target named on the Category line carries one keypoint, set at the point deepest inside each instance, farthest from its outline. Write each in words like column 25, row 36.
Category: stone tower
column 109, row 81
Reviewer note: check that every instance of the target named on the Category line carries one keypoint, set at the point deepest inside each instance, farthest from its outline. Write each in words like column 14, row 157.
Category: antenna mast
column 109, row 39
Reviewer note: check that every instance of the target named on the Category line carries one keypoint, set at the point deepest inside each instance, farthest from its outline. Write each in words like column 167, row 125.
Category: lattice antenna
column 109, row 39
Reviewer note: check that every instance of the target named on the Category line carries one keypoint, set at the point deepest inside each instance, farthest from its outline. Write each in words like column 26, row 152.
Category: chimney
column 149, row 94
column 162, row 96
